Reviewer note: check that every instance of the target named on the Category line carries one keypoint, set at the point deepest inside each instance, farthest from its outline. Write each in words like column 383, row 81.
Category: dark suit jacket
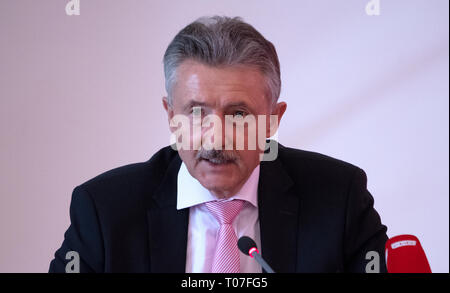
column 315, row 214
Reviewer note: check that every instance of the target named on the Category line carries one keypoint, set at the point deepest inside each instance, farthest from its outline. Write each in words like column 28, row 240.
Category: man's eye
column 196, row 111
column 239, row 113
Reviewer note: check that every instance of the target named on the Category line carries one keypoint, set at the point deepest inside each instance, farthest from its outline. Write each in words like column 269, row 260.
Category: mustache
column 216, row 156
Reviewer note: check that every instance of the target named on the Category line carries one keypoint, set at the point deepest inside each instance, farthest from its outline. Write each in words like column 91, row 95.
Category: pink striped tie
column 226, row 256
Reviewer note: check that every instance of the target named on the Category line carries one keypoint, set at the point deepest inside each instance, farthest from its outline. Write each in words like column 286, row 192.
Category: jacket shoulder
column 288, row 154
column 130, row 178
column 316, row 167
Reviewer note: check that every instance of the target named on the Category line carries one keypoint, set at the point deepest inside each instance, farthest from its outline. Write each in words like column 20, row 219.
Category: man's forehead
column 197, row 83
column 239, row 77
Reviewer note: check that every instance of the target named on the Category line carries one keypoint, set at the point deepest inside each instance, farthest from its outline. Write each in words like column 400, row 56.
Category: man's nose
column 214, row 133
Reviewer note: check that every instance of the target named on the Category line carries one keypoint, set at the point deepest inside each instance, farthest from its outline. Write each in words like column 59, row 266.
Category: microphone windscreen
column 404, row 254
column 245, row 243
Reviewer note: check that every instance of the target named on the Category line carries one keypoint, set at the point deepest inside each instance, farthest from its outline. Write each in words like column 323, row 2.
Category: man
column 185, row 209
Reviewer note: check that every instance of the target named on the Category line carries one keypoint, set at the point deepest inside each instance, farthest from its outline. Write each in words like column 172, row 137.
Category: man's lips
column 216, row 162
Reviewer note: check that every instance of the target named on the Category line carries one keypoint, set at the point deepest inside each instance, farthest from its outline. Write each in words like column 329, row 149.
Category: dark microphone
column 248, row 247
column 404, row 254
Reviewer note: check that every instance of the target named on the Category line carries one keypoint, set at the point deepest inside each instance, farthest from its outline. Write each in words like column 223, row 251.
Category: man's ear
column 169, row 110
column 279, row 109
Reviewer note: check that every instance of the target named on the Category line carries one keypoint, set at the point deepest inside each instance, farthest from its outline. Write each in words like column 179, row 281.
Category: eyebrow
column 238, row 104
column 193, row 103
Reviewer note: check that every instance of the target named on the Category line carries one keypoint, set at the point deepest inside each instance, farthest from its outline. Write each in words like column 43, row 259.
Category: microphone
column 404, row 254
column 248, row 247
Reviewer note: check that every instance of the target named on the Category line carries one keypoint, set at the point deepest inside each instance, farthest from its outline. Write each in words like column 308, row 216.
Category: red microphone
column 404, row 254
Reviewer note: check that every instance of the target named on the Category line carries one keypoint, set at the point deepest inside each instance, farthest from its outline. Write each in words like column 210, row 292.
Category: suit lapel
column 278, row 215
column 168, row 227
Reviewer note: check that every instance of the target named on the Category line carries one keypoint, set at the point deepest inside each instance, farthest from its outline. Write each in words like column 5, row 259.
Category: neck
column 221, row 193
column 224, row 194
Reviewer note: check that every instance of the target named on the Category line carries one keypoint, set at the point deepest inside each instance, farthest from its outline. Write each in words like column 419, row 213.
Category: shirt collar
column 190, row 192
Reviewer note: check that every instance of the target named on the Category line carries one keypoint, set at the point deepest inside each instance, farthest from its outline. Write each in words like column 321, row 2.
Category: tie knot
column 225, row 211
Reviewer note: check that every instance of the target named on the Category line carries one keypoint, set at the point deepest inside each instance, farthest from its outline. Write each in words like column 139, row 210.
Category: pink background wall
column 82, row 94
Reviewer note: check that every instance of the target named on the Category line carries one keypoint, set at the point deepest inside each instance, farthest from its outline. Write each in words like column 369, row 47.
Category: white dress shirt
column 203, row 227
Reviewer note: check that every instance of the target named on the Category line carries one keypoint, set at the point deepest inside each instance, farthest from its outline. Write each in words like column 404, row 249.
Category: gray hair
column 223, row 41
